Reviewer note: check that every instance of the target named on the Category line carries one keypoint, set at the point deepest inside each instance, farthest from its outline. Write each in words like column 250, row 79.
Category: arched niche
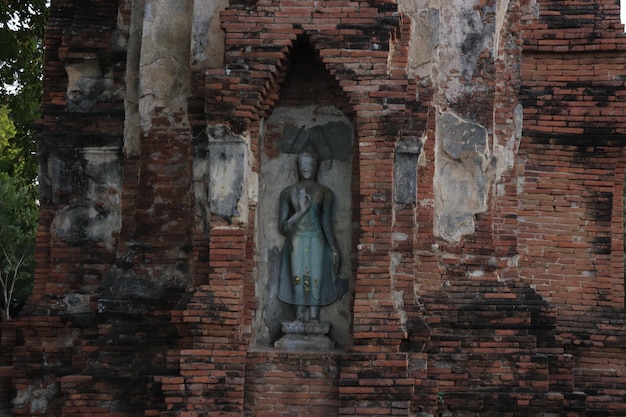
column 311, row 111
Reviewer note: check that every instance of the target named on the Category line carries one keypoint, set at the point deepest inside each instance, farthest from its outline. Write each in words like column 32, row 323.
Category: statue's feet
column 300, row 310
column 315, row 314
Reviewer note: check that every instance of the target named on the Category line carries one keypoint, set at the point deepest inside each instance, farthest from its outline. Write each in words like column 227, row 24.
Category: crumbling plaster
column 228, row 173
column 207, row 37
column 95, row 174
column 87, row 85
column 464, row 173
column 164, row 83
column 449, row 39
column 38, row 396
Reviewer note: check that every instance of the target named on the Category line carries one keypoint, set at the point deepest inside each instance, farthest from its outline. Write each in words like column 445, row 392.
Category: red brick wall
column 571, row 167
column 571, row 182
column 521, row 318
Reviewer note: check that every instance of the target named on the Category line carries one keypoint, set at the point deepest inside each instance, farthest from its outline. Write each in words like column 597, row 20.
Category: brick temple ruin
column 476, row 153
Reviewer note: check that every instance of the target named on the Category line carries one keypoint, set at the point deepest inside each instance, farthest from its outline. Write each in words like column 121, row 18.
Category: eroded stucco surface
column 452, row 44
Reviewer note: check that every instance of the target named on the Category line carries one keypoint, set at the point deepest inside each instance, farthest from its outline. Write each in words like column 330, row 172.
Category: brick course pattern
column 524, row 317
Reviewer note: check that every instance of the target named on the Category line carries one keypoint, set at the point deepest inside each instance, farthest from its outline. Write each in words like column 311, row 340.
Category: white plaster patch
column 207, row 37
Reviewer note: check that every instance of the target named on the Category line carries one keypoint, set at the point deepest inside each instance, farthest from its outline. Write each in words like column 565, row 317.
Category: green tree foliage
column 18, row 225
column 7, row 128
column 22, row 28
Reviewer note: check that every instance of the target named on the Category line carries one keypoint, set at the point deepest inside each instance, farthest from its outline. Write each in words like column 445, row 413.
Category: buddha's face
column 307, row 167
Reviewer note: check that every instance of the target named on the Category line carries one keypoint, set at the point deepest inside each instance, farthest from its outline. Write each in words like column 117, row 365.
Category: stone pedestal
column 301, row 335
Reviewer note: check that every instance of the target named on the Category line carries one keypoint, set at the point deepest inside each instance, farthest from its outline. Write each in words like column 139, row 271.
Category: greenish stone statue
column 310, row 259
